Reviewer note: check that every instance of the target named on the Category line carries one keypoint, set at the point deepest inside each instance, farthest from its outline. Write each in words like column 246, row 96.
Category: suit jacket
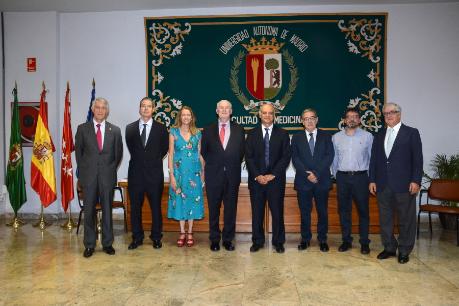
column 218, row 159
column 319, row 163
column 279, row 155
column 404, row 164
column 92, row 164
column 146, row 164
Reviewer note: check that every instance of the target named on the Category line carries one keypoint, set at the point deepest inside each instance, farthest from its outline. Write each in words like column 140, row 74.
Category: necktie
column 266, row 141
column 311, row 143
column 99, row 137
column 390, row 141
column 143, row 136
column 222, row 134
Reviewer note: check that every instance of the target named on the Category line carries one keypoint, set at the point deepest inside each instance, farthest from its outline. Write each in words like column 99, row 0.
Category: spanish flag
column 42, row 167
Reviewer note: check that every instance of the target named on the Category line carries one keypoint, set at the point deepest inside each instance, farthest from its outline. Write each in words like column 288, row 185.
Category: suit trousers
column 93, row 194
column 228, row 193
column 274, row 194
column 353, row 187
column 404, row 205
column 136, row 195
column 305, row 202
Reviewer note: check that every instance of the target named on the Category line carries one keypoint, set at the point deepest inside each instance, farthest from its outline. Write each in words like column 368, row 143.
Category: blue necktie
column 311, row 143
column 143, row 136
column 266, row 140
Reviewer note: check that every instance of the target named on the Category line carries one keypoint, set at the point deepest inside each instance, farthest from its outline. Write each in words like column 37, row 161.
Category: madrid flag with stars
column 66, row 158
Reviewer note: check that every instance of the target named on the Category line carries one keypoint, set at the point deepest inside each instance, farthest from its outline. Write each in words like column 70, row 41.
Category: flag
column 93, row 97
column 43, row 179
column 66, row 158
column 15, row 180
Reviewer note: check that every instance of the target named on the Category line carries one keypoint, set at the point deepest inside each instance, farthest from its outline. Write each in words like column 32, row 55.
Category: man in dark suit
column 98, row 151
column 267, row 155
column 222, row 147
column 312, row 156
column 395, row 177
column 147, row 142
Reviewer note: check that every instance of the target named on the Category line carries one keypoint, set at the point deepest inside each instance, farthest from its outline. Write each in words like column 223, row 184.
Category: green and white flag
column 15, row 180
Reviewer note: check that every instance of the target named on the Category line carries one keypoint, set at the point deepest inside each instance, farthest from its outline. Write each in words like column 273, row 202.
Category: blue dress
column 188, row 204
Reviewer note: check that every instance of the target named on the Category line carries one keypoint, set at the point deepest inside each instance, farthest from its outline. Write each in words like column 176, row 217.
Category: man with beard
column 350, row 168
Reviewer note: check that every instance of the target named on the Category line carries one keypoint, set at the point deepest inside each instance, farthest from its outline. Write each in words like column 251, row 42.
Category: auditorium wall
column 422, row 68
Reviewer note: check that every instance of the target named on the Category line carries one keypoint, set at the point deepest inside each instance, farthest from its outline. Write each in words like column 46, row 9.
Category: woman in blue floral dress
column 186, row 174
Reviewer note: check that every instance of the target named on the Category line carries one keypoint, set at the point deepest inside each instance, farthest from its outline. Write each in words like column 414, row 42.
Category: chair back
column 444, row 190
column 79, row 194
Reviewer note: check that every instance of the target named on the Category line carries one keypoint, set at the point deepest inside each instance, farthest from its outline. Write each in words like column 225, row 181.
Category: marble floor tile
column 47, row 268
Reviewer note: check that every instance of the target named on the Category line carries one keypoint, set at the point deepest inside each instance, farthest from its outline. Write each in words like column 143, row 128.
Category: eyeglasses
column 393, row 112
column 309, row 119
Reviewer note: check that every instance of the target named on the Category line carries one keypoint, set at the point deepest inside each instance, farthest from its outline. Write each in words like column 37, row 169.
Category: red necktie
column 99, row 137
column 222, row 134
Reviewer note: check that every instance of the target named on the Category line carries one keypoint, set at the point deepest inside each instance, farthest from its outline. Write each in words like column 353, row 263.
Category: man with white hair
column 222, row 147
column 395, row 178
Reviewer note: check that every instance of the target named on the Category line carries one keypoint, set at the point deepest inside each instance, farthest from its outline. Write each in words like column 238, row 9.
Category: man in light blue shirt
column 350, row 167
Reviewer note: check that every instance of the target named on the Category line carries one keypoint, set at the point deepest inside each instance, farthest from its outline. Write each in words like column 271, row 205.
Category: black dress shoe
column 303, row 245
column 109, row 250
column 228, row 245
column 255, row 247
column 280, row 248
column 345, row 246
column 215, row 246
column 324, row 247
column 403, row 259
column 365, row 249
column 385, row 254
column 134, row 244
column 88, row 252
column 157, row 244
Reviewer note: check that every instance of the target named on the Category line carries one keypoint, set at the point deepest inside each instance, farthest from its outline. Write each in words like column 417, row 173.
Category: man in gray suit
column 98, row 151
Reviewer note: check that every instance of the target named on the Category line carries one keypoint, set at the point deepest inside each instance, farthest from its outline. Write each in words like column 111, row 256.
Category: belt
column 353, row 172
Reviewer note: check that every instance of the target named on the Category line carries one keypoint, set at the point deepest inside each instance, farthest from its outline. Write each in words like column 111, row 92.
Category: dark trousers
column 136, row 195
column 404, row 205
column 305, row 202
column 227, row 193
column 353, row 187
column 93, row 194
column 274, row 194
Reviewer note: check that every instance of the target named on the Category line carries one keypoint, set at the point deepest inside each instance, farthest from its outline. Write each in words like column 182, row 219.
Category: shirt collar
column 102, row 124
column 270, row 128
column 396, row 128
column 227, row 124
column 313, row 132
column 149, row 122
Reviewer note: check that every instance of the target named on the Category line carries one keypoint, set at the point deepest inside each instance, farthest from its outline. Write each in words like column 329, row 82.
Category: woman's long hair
column 178, row 120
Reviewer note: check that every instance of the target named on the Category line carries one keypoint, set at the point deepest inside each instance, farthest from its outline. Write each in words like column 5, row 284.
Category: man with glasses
column 312, row 155
column 350, row 168
column 395, row 177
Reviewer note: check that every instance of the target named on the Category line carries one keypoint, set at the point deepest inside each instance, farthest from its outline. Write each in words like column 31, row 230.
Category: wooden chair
column 440, row 190
column 115, row 205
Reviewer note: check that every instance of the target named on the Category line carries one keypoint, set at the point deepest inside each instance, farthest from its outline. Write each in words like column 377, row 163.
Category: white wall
column 422, row 66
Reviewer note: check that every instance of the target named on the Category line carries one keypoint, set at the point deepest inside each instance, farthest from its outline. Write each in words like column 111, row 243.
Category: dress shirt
column 149, row 124
column 396, row 128
column 102, row 129
column 263, row 130
column 227, row 132
column 352, row 152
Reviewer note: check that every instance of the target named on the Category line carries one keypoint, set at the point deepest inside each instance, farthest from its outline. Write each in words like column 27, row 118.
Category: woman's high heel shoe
column 181, row 239
column 189, row 240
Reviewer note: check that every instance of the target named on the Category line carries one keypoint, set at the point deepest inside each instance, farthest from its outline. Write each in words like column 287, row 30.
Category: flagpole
column 69, row 224
column 42, row 223
column 15, row 223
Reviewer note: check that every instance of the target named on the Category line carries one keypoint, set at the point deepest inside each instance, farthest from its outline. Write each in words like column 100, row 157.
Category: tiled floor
column 47, row 268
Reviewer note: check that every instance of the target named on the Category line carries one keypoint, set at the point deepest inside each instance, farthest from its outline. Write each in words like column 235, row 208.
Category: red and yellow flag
column 43, row 179
column 66, row 158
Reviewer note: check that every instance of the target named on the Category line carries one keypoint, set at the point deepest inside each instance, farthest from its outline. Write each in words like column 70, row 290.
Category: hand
column 269, row 177
column 173, row 183
column 312, row 177
column 414, row 188
column 372, row 188
column 261, row 179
